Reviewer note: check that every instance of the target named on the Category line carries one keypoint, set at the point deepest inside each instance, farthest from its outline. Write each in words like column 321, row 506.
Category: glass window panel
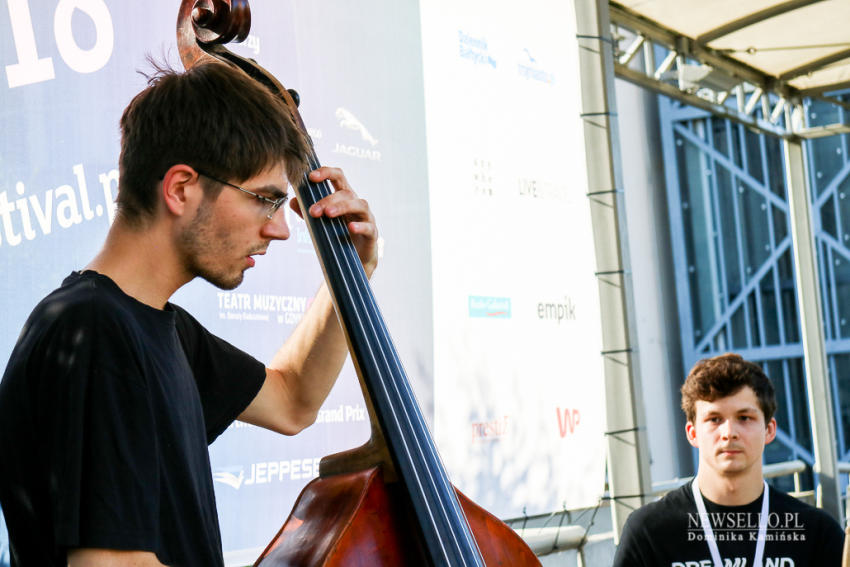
column 719, row 136
column 754, row 161
column 728, row 232
column 842, row 369
column 827, row 218
column 753, row 208
column 755, row 321
column 739, row 329
column 789, row 298
column 799, row 403
column 696, row 221
column 842, row 294
column 770, row 318
column 822, row 112
column 737, row 130
column 775, row 166
column 827, row 158
column 843, row 193
column 780, row 225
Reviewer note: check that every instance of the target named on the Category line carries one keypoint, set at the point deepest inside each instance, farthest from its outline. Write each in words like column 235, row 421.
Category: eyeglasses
column 271, row 205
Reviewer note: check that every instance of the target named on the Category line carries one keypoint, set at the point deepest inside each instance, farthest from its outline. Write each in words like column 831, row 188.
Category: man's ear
column 181, row 189
column 691, row 434
column 770, row 431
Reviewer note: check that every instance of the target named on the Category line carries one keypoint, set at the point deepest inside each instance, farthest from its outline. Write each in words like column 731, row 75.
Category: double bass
column 389, row 502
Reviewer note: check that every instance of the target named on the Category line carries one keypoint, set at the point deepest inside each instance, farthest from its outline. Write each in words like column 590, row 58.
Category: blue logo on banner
column 229, row 477
column 475, row 49
column 490, row 307
column 532, row 70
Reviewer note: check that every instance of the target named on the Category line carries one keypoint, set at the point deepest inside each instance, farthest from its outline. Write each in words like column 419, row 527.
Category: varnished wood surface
column 356, row 520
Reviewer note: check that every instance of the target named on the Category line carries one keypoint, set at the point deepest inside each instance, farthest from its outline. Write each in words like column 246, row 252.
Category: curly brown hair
column 724, row 375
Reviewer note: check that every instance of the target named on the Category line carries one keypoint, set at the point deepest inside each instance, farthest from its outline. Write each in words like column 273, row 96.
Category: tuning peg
column 296, row 98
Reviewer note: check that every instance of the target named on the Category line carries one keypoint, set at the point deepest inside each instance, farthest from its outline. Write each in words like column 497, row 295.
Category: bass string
column 350, row 271
column 347, row 272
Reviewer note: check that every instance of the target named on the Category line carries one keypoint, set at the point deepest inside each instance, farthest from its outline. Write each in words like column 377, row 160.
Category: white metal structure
column 749, row 61
column 770, row 55
column 753, row 62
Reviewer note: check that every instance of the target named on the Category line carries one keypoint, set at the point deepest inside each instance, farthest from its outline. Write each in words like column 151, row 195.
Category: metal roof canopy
column 754, row 62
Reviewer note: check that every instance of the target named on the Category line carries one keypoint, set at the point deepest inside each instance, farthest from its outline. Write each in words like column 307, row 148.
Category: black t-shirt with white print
column 668, row 533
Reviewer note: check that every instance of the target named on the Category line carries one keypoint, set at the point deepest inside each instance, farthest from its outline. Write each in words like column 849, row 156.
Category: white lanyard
column 709, row 533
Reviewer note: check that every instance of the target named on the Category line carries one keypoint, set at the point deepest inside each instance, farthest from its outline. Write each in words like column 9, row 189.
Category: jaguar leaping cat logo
column 230, row 479
column 348, row 120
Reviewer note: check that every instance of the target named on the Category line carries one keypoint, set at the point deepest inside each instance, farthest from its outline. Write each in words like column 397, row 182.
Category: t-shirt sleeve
column 95, row 418
column 228, row 378
column 629, row 551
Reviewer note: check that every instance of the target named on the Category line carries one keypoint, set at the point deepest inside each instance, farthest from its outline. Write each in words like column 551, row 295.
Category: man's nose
column 276, row 227
column 727, row 429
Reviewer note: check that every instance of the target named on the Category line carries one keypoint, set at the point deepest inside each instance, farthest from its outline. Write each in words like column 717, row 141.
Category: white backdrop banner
column 501, row 340
column 518, row 379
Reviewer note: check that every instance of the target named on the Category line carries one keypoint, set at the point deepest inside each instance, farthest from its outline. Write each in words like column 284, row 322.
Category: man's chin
column 225, row 282
column 731, row 467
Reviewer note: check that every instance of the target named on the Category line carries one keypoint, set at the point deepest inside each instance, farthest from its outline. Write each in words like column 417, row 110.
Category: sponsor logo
column 342, row 414
column 474, row 49
column 285, row 309
column 568, row 420
column 268, row 472
column 539, row 189
column 28, row 217
column 529, row 68
column 357, row 152
column 565, row 311
column 494, row 430
column 490, row 307
column 347, row 120
column 230, row 478
column 482, row 177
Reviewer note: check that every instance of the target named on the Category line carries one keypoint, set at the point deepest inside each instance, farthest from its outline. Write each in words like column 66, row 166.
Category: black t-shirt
column 106, row 409
column 668, row 533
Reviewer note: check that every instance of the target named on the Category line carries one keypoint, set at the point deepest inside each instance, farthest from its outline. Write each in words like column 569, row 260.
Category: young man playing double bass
column 728, row 516
column 112, row 393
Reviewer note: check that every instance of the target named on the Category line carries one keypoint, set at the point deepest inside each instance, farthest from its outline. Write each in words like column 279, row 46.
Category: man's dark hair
column 212, row 117
column 724, row 375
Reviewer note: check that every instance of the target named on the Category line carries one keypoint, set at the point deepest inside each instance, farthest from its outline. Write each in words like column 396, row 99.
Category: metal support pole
column 811, row 324
column 628, row 462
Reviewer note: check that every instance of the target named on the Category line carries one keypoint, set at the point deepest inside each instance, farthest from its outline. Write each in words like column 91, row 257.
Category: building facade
column 733, row 257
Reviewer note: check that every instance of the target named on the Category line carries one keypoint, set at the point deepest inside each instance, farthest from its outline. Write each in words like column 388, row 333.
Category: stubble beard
column 201, row 245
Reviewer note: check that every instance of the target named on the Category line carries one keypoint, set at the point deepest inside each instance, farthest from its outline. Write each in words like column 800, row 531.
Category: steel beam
column 628, row 460
column 811, row 325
